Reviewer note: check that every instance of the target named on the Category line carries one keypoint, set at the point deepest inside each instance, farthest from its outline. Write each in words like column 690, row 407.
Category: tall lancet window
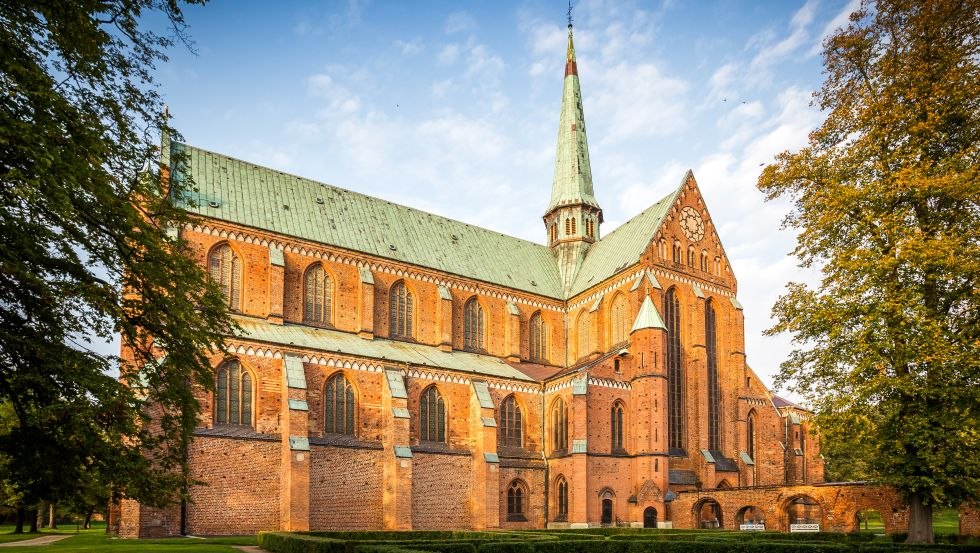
column 537, row 338
column 339, row 405
column 714, row 393
column 400, row 311
column 318, row 296
column 473, row 326
column 233, row 395
column 226, row 270
column 619, row 320
column 675, row 372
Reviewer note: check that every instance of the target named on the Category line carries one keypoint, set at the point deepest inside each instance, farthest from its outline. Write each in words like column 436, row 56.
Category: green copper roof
column 572, row 182
column 264, row 198
column 417, row 355
column 622, row 247
column 648, row 317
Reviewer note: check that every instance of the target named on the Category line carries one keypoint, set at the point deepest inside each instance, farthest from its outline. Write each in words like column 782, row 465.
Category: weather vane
column 569, row 14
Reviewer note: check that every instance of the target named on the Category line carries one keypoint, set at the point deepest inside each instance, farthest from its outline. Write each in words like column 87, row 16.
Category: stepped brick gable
column 400, row 370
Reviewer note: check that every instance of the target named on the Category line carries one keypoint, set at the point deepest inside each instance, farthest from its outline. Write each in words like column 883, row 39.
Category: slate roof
column 418, row 355
column 256, row 196
column 623, row 247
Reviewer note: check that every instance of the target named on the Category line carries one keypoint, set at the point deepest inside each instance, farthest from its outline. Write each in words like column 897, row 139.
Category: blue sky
column 453, row 108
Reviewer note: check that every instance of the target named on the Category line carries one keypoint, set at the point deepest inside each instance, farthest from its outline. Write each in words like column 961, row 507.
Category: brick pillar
column 649, row 413
column 696, row 399
column 513, row 332
column 365, row 304
column 969, row 520
column 580, row 497
column 444, row 318
column 277, row 270
column 397, row 466
column 294, row 495
column 484, row 511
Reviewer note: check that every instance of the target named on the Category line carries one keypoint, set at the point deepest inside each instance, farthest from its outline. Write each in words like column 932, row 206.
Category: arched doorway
column 707, row 514
column 869, row 520
column 804, row 514
column 606, row 514
column 649, row 517
column 750, row 517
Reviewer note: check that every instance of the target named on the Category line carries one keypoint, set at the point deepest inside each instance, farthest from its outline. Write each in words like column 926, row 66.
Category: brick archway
column 708, row 513
column 839, row 504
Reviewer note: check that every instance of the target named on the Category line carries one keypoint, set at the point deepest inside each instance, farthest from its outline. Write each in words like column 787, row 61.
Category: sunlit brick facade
column 368, row 390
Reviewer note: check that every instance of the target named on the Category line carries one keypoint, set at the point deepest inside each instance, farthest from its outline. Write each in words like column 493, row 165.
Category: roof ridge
column 363, row 195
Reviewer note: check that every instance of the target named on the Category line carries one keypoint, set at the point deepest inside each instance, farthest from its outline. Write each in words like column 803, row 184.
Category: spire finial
column 569, row 14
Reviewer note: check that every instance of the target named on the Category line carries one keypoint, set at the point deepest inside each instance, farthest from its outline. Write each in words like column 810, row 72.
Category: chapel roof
column 263, row 198
column 259, row 197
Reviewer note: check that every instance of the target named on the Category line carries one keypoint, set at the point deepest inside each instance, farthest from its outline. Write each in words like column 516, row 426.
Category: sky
column 452, row 107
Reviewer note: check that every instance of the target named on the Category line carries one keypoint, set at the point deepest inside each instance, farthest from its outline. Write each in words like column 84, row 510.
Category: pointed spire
column 648, row 317
column 572, row 184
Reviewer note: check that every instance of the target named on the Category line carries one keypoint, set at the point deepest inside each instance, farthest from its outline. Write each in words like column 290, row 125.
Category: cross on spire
column 569, row 14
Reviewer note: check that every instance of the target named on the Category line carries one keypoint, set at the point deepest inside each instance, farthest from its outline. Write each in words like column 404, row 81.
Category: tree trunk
column 21, row 515
column 51, row 512
column 34, row 514
column 920, row 521
column 88, row 518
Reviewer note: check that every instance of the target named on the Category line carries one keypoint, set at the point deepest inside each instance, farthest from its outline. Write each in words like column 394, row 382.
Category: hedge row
column 648, row 542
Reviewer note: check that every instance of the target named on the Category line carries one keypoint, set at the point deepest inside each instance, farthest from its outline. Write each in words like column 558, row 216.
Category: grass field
column 96, row 540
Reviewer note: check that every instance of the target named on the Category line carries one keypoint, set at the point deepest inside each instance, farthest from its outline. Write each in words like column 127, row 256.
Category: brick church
column 397, row 369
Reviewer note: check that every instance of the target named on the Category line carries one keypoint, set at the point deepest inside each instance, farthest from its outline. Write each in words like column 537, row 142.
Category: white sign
column 752, row 526
column 804, row 527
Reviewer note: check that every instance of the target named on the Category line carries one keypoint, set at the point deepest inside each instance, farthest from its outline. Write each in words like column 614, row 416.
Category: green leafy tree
column 86, row 254
column 885, row 198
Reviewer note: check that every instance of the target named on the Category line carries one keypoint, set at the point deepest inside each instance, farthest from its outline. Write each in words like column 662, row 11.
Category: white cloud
column 449, row 54
column 770, row 53
column 635, row 100
column 459, row 22
column 409, row 48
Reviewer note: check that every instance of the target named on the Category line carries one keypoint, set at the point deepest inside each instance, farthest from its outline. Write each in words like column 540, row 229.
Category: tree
column 885, row 198
column 86, row 253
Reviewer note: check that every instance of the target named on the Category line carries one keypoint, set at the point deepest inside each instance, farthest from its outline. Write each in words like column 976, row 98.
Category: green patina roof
column 334, row 341
column 572, row 184
column 648, row 317
column 623, row 247
column 255, row 196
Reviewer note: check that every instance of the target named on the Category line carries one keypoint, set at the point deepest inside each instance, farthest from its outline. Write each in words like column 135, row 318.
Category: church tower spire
column 573, row 215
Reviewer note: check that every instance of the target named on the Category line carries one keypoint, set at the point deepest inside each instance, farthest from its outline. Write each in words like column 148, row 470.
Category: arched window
column 226, row 270
column 517, row 501
column 574, row 230
column 568, row 227
column 400, row 310
column 690, row 256
column 233, row 395
column 511, row 425
column 339, row 406
column 750, row 435
column 675, row 375
column 718, row 266
column 678, row 256
column 583, row 329
column 559, row 426
column 619, row 320
column 319, row 296
column 473, row 325
column 616, row 429
column 432, row 416
column 704, row 261
column 538, row 338
column 662, row 247
column 561, row 499
column 554, row 231
column 714, row 393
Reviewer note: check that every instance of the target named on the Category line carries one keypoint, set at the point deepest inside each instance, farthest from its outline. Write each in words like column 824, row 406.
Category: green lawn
column 946, row 521
column 96, row 540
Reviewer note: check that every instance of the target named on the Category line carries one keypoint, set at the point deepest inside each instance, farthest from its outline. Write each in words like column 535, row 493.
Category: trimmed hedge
column 610, row 540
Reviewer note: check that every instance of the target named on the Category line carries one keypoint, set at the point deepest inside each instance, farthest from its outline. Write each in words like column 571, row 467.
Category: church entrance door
column 607, row 511
column 650, row 518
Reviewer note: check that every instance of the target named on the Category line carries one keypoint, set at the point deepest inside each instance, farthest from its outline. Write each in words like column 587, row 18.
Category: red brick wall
column 345, row 488
column 241, row 490
column 534, row 479
column 440, row 491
